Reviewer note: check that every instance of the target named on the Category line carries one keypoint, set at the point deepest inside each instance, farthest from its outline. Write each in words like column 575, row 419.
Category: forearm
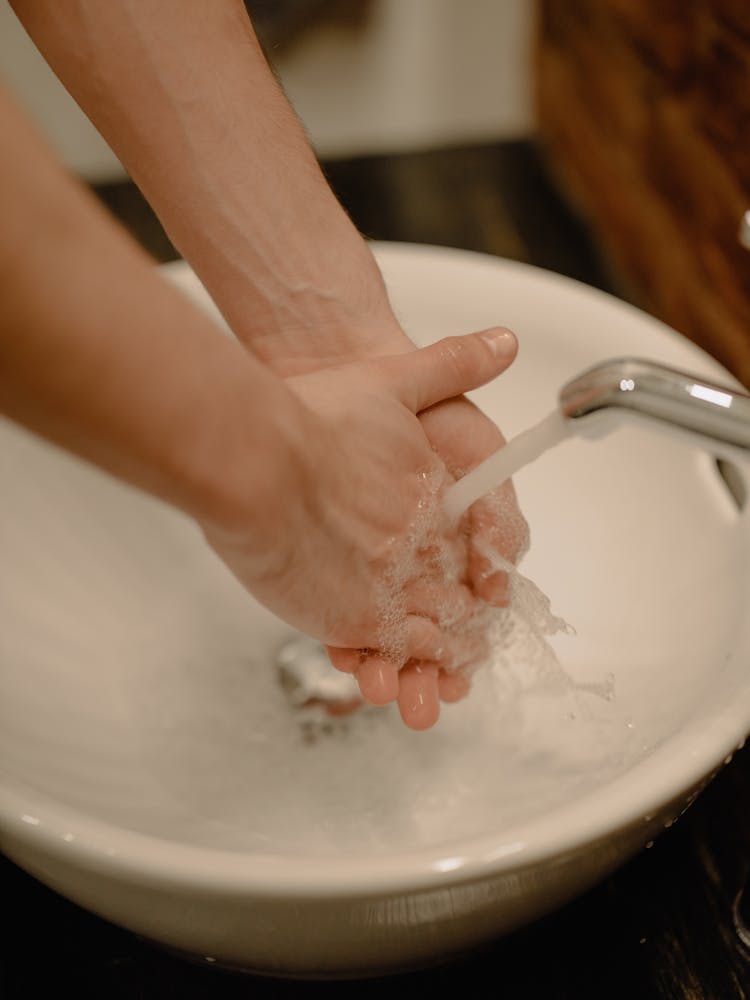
column 100, row 355
column 182, row 92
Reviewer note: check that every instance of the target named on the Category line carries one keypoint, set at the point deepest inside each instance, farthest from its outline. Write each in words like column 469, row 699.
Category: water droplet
column 649, row 844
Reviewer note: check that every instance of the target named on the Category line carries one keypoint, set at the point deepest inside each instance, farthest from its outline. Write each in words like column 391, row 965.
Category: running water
column 505, row 462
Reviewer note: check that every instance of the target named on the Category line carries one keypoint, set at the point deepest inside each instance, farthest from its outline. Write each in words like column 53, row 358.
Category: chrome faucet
column 676, row 400
column 719, row 414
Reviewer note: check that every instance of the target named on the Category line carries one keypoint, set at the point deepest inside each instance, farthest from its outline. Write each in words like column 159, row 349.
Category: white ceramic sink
column 153, row 770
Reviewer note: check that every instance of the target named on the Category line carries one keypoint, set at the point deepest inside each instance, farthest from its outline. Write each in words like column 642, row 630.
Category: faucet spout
column 665, row 397
column 674, row 399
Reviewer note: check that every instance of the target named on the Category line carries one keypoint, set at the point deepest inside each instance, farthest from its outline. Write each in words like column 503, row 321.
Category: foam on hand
column 511, row 641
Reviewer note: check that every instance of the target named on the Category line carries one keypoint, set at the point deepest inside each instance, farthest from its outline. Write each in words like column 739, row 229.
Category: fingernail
column 500, row 341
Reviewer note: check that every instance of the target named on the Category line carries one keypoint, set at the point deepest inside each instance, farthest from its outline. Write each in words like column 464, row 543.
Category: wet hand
column 370, row 565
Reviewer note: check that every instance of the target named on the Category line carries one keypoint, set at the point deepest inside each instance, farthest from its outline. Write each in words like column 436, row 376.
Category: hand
column 459, row 432
column 367, row 561
column 463, row 436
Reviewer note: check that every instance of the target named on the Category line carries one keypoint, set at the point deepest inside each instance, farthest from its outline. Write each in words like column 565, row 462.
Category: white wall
column 418, row 73
column 423, row 73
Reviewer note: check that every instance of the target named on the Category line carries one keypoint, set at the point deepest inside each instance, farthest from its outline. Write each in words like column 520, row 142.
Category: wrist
column 314, row 313
column 243, row 480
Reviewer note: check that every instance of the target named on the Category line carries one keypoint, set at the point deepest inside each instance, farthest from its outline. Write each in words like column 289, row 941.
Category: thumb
column 450, row 367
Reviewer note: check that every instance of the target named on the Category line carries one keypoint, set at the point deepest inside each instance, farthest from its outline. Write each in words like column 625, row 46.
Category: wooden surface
column 662, row 927
column 644, row 109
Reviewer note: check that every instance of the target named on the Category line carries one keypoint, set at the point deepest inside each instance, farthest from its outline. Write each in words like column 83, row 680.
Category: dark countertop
column 664, row 925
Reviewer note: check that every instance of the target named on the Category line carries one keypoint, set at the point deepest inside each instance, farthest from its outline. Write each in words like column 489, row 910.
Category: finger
column 461, row 434
column 378, row 679
column 424, row 639
column 336, row 709
column 453, row 685
column 448, row 605
column 499, row 533
column 464, row 437
column 345, row 660
column 449, row 367
column 497, row 520
column 418, row 697
column 491, row 585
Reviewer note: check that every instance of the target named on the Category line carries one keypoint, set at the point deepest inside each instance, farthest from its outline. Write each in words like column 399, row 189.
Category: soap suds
column 515, row 637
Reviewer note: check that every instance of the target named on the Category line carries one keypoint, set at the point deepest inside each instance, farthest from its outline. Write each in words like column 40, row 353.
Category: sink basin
column 154, row 770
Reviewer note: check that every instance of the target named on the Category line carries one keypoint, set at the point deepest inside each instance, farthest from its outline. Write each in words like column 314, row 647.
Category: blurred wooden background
column 644, row 116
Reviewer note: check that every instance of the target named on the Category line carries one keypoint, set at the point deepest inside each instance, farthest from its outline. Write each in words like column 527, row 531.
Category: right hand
column 367, row 563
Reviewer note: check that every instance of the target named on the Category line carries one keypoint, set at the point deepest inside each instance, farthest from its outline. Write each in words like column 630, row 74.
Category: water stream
column 504, row 463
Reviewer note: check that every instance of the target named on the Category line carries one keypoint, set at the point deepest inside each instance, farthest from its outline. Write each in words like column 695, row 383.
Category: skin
column 228, row 168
